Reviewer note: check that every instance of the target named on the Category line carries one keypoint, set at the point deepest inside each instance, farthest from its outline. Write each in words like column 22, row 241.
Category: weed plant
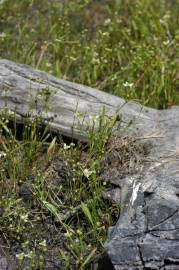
column 51, row 195
column 128, row 48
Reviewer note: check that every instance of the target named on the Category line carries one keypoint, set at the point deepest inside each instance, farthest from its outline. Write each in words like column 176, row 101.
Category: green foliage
column 73, row 203
column 99, row 132
column 128, row 48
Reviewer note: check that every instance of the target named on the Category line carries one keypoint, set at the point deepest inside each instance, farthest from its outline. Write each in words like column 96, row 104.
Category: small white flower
column 24, row 217
column 2, row 154
column 108, row 49
column 10, row 112
column 43, row 243
column 72, row 144
column 167, row 42
column 3, row 35
column 88, row 173
column 79, row 232
column 95, row 54
column 48, row 64
column 95, row 61
column 73, row 58
column 107, row 21
column 105, row 34
column 114, row 77
column 164, row 19
column 93, row 118
column 77, row 240
column 68, row 234
column 127, row 84
column 66, row 147
column 20, row 256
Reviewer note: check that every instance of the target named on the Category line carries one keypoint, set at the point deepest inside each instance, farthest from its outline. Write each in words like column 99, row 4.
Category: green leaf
column 87, row 213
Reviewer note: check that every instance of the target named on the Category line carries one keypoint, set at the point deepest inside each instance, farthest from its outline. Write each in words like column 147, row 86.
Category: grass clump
column 128, row 48
column 53, row 215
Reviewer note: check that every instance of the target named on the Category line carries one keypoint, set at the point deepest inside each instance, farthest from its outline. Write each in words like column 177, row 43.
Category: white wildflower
column 66, row 147
column 20, row 256
column 88, row 173
column 72, row 58
column 3, row 35
column 167, row 42
column 68, row 234
column 164, row 19
column 24, row 218
column 107, row 21
column 48, row 64
column 72, row 144
column 127, row 84
column 93, row 118
column 43, row 243
column 2, row 154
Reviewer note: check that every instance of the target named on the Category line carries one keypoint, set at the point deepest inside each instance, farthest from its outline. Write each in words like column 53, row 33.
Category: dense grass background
column 127, row 47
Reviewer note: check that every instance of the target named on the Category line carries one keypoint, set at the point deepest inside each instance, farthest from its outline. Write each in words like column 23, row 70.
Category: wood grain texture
column 21, row 85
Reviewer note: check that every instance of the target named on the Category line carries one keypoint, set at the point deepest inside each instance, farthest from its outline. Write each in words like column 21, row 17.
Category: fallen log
column 146, row 235
column 27, row 90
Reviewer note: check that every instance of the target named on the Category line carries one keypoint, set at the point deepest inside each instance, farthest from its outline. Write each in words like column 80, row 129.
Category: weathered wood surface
column 21, row 87
column 146, row 235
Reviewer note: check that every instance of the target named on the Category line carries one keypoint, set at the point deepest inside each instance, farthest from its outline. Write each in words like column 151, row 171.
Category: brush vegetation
column 53, row 215
column 128, row 48
column 51, row 206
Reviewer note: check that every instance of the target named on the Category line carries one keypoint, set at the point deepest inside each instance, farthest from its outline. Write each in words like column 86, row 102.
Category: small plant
column 44, row 96
column 99, row 131
column 47, row 179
